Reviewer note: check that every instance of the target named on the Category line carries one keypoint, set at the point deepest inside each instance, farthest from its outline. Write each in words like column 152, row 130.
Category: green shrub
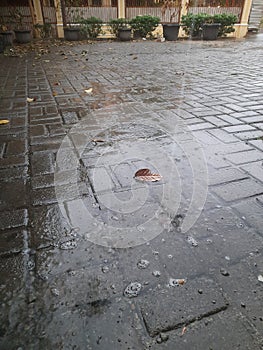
column 116, row 24
column 144, row 25
column 192, row 24
column 227, row 23
column 91, row 27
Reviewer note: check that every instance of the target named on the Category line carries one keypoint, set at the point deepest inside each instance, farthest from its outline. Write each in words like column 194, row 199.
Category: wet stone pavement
column 92, row 258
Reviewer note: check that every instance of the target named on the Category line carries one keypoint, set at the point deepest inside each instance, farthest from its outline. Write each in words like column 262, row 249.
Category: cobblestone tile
column 245, row 157
column 238, row 128
column 12, row 219
column 237, row 190
column 254, row 169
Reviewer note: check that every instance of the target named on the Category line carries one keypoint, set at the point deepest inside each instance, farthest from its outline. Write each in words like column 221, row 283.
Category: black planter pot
column 8, row 38
column 72, row 34
column 23, row 36
column 210, row 31
column 170, row 31
column 124, row 34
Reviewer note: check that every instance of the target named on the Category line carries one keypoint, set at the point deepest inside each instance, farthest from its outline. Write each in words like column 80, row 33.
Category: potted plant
column 193, row 24
column 170, row 28
column 210, row 28
column 91, row 27
column 22, row 34
column 71, row 27
column 143, row 26
column 226, row 22
column 121, row 28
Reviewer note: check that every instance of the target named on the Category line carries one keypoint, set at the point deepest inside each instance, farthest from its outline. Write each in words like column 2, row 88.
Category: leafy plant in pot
column 91, row 27
column 22, row 34
column 193, row 23
column 171, row 28
column 143, row 26
column 210, row 28
column 121, row 28
column 72, row 19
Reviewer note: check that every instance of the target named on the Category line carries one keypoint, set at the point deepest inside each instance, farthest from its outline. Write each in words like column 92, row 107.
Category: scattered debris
column 243, row 305
column 68, row 245
column 143, row 264
column 260, row 278
column 4, row 121
column 55, row 292
column 146, row 175
column 200, row 291
column 176, row 282
column 105, row 269
column 156, row 273
column 132, row 290
column 162, row 337
column 224, row 272
column 192, row 241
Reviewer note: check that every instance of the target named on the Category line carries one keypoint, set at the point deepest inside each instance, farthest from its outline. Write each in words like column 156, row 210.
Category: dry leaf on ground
column 146, row 175
column 4, row 121
column 97, row 140
column 88, row 91
column 29, row 99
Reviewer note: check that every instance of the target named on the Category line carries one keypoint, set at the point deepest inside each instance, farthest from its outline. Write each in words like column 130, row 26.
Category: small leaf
column 88, row 91
column 56, row 83
column 98, row 140
column 260, row 278
column 29, row 99
column 4, row 121
column 146, row 175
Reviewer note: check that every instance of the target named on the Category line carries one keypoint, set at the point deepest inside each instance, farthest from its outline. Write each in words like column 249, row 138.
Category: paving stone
column 257, row 143
column 12, row 241
column 164, row 309
column 225, row 175
column 70, row 117
column 216, row 121
column 229, row 119
column 42, row 163
column 238, row 128
column 201, row 126
column 101, row 179
column 245, row 157
column 14, row 218
column 13, row 195
column 16, row 147
column 223, row 136
column 249, row 135
column 225, row 330
column 237, row 190
column 38, row 130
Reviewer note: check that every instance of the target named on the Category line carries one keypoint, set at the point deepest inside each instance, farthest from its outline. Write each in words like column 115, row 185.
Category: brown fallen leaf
column 4, row 121
column 56, row 83
column 181, row 281
column 54, row 93
column 183, row 331
column 146, row 175
column 98, row 140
